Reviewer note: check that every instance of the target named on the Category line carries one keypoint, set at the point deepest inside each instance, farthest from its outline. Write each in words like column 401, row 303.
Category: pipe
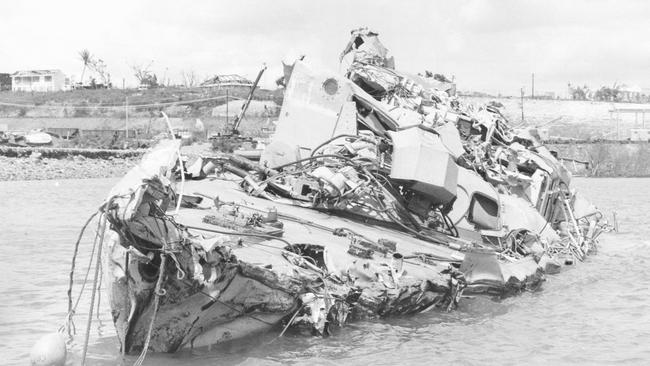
column 279, row 167
column 180, row 162
column 248, row 164
column 244, row 107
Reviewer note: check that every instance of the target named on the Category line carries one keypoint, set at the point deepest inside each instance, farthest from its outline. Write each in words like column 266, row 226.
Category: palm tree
column 87, row 59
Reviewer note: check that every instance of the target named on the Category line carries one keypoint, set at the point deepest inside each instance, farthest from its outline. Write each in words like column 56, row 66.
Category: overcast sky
column 491, row 46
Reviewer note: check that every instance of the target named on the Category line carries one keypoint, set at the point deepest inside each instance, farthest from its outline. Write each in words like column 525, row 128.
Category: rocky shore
column 37, row 167
column 51, row 163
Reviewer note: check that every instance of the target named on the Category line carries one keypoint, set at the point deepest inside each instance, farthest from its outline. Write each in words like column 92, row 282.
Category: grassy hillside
column 607, row 159
column 111, row 102
column 570, row 118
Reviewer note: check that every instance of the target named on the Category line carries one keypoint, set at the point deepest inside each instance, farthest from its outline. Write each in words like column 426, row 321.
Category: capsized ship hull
column 379, row 194
column 220, row 287
column 299, row 267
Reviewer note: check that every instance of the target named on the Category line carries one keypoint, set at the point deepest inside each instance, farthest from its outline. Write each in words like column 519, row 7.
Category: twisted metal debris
column 380, row 194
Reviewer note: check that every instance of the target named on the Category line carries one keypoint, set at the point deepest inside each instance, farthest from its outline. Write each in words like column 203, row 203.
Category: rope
column 70, row 321
column 102, row 229
column 72, row 267
column 288, row 323
column 99, row 287
column 159, row 291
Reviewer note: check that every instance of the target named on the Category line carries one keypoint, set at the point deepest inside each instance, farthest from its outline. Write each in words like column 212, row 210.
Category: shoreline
column 608, row 160
column 30, row 169
column 40, row 168
column 26, row 164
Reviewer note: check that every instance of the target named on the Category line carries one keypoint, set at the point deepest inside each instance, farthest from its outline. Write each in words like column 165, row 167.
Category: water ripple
column 596, row 313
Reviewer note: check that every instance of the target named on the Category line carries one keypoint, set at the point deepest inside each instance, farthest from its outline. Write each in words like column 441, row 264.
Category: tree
column 189, row 78
column 608, row 94
column 87, row 59
column 578, row 93
column 99, row 67
column 145, row 76
column 94, row 64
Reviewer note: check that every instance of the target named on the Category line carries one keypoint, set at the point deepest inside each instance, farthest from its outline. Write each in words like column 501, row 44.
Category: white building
column 640, row 134
column 39, row 80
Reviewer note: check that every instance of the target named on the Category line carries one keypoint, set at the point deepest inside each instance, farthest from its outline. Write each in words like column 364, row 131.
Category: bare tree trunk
column 81, row 81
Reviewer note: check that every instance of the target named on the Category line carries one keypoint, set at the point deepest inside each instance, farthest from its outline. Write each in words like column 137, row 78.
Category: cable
column 234, row 233
column 74, row 259
column 158, row 291
column 359, row 137
column 92, row 296
column 315, row 158
column 241, row 312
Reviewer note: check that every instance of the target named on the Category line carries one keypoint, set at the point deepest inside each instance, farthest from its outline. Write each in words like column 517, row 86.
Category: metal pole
column 227, row 102
column 532, row 90
column 611, row 119
column 522, row 105
column 240, row 117
column 618, row 121
column 126, row 123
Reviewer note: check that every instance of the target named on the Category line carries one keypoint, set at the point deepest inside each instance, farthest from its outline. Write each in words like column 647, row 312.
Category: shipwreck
column 380, row 193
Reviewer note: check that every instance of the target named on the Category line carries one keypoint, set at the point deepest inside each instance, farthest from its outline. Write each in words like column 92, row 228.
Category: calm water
column 596, row 313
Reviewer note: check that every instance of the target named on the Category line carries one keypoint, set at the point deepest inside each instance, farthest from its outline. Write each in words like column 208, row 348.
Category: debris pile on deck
column 380, row 193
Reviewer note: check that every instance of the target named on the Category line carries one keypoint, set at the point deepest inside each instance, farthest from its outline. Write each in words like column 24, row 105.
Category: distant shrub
column 82, row 111
column 278, row 98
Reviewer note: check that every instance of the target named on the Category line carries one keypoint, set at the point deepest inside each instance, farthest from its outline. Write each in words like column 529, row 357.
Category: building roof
column 226, row 80
column 630, row 88
column 36, row 72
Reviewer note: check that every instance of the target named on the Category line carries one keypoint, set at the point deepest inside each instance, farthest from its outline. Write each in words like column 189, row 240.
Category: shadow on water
column 361, row 340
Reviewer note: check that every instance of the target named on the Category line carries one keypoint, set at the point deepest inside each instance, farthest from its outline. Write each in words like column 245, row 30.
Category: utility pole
column 618, row 122
column 522, row 105
column 532, row 90
column 126, row 123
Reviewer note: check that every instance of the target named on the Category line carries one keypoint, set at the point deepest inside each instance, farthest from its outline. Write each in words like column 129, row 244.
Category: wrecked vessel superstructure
column 379, row 194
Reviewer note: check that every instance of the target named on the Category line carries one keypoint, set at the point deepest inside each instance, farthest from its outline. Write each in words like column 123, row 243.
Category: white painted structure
column 640, row 134
column 39, row 80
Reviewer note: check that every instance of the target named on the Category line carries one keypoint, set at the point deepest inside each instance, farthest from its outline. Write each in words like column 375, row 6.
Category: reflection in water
column 598, row 312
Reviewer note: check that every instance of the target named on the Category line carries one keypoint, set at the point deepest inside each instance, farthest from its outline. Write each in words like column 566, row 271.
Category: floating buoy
column 50, row 350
